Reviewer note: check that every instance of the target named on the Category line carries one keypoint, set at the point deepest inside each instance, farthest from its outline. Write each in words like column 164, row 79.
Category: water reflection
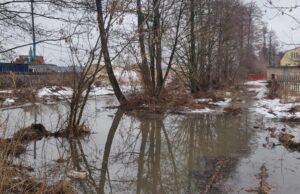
column 159, row 155
column 153, row 154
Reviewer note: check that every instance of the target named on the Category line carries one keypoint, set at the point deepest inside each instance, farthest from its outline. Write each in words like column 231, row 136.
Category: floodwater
column 161, row 154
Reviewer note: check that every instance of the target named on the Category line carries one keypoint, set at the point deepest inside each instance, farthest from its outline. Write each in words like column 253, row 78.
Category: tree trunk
column 104, row 43
column 193, row 70
column 144, row 65
column 157, row 41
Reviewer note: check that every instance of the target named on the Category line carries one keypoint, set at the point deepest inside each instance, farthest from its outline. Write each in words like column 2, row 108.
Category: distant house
column 14, row 67
column 51, row 68
column 25, row 59
column 45, row 68
column 289, row 65
column 291, row 58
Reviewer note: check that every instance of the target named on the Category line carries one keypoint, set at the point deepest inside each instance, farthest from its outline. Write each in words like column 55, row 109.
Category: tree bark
column 104, row 43
column 157, row 41
column 144, row 65
column 193, row 69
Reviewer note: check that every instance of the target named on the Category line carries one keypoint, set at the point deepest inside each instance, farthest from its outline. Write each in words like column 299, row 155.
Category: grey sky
column 283, row 25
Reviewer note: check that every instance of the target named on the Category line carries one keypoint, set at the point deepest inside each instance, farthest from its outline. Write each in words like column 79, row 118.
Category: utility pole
column 33, row 31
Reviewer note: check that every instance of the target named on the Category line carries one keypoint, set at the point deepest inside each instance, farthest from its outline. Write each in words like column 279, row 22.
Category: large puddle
column 155, row 153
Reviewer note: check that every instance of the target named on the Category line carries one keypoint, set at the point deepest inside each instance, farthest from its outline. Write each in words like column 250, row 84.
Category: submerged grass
column 15, row 178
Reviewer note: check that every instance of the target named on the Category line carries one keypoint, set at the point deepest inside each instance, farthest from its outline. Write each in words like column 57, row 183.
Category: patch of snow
column 203, row 100
column 100, row 91
column 8, row 102
column 205, row 110
column 223, row 103
column 257, row 83
column 6, row 91
column 65, row 92
column 199, row 111
column 260, row 87
column 55, row 91
column 270, row 108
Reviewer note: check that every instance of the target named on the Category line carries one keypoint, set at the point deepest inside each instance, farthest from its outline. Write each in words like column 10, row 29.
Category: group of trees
column 221, row 43
column 208, row 43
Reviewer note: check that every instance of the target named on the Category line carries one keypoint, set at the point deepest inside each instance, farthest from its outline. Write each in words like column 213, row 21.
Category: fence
column 290, row 83
column 256, row 76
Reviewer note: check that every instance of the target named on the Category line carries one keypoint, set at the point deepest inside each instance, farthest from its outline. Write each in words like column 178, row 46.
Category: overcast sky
column 283, row 25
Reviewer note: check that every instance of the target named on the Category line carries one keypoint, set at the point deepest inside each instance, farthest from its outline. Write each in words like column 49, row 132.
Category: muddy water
column 155, row 153
column 283, row 165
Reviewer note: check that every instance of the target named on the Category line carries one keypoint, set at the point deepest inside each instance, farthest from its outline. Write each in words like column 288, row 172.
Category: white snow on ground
column 219, row 109
column 100, row 91
column 126, row 76
column 203, row 111
column 6, row 91
column 61, row 92
column 8, row 102
column 65, row 92
column 204, row 100
column 221, row 103
column 270, row 108
column 199, row 111
column 260, row 87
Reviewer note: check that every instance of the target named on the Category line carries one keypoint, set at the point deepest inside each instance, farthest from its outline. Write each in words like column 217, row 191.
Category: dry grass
column 81, row 131
column 288, row 141
column 264, row 187
column 31, row 133
column 294, row 109
column 234, row 109
column 14, row 178
column 290, row 119
column 170, row 101
column 62, row 79
column 11, row 148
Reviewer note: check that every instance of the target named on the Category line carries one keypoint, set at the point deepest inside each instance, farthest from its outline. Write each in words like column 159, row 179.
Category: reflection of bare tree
column 149, row 175
column 206, row 139
column 108, row 144
column 157, row 158
column 79, row 158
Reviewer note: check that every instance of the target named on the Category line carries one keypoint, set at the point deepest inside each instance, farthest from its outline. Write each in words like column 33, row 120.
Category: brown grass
column 168, row 101
column 294, row 109
column 290, row 119
column 14, row 178
column 31, row 133
column 234, row 109
column 288, row 141
column 264, row 187
column 11, row 148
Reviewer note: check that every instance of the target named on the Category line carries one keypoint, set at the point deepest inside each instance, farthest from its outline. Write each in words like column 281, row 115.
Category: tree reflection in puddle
column 149, row 154
column 176, row 154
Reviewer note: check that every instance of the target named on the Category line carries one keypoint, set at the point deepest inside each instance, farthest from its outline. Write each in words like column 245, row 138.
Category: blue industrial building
column 13, row 67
